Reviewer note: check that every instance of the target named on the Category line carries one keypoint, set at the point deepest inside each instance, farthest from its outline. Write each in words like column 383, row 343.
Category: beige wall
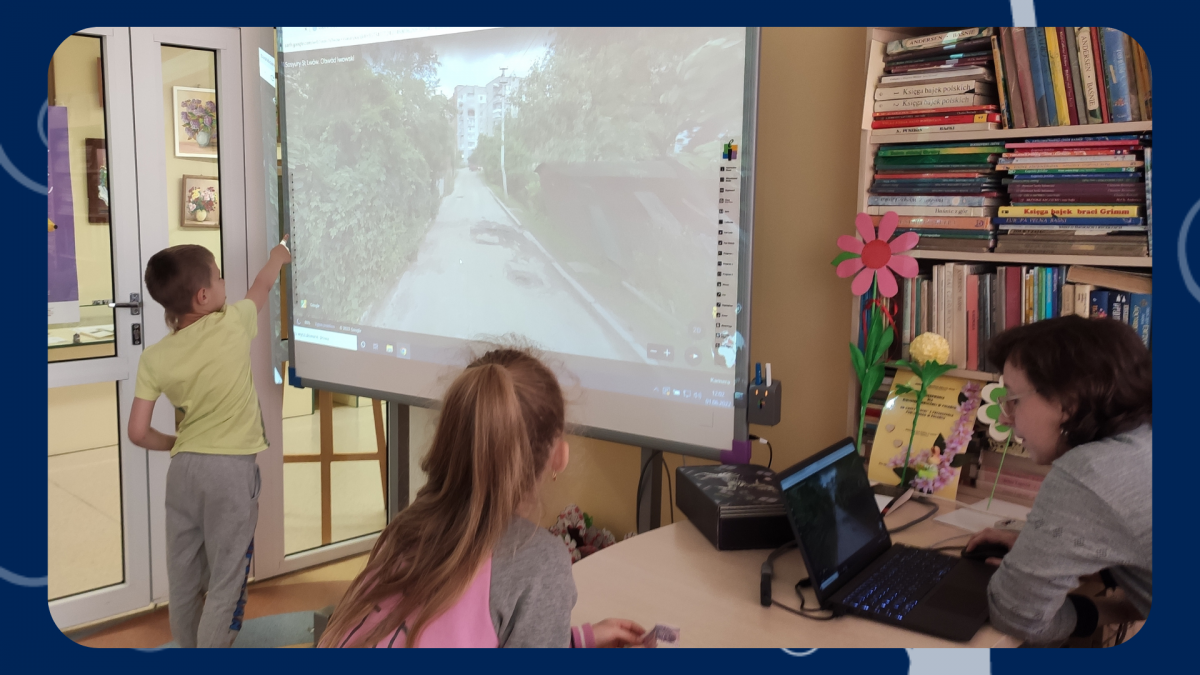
column 186, row 68
column 810, row 107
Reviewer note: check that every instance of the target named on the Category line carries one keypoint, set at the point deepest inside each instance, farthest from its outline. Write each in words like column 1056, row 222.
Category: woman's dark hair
column 1097, row 368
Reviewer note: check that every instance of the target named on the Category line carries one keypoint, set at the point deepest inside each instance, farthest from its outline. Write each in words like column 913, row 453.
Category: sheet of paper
column 975, row 521
column 55, row 340
column 882, row 501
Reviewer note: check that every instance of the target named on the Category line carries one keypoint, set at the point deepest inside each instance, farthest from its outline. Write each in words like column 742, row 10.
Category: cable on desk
column 926, row 516
column 670, row 491
column 637, row 502
column 802, row 612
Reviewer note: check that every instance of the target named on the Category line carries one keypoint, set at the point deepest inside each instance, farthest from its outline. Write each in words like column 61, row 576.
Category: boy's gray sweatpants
column 212, row 509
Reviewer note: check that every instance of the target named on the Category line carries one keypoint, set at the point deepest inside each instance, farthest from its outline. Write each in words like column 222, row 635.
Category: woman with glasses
column 1078, row 397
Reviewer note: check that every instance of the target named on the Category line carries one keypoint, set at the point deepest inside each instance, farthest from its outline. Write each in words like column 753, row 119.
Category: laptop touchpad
column 963, row 591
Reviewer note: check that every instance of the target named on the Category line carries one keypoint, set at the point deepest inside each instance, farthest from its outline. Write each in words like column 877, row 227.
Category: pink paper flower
column 876, row 257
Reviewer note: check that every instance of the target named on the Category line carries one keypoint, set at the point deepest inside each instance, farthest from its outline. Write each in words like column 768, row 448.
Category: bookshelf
column 876, row 39
column 1013, row 134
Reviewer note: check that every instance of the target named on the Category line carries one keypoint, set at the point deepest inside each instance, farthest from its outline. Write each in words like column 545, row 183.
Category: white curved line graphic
column 1184, row 268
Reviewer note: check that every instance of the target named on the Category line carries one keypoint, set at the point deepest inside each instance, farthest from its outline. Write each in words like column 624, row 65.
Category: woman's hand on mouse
column 993, row 536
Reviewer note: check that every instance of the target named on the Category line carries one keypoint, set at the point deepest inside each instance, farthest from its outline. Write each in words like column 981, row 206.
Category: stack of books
column 1070, row 76
column 1079, row 196
column 936, row 83
column 1020, row 479
column 946, row 192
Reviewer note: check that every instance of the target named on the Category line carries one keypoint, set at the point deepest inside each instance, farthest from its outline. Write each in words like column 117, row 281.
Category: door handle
column 134, row 305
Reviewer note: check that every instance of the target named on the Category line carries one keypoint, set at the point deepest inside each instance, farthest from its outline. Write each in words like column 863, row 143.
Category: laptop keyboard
column 894, row 590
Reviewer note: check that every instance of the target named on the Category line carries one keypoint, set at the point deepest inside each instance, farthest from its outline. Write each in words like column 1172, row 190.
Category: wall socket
column 763, row 403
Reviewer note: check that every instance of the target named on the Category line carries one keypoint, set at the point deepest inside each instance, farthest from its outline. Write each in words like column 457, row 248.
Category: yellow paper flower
column 929, row 347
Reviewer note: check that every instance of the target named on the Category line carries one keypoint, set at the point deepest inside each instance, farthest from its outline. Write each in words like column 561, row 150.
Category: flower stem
column 862, row 419
column 1000, row 468
column 913, row 434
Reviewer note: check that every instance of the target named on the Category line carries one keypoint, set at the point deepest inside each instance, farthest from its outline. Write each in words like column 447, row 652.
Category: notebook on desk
column 853, row 564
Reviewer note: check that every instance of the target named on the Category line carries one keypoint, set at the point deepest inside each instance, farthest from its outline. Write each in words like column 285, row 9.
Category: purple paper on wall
column 64, row 283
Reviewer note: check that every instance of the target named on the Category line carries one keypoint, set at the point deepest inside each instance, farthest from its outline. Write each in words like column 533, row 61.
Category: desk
column 673, row 575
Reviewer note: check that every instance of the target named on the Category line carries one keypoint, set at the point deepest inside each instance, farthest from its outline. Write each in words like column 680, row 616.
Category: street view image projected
column 571, row 185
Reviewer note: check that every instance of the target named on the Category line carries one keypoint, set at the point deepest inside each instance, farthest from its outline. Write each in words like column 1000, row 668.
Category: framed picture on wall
column 201, row 202
column 195, row 122
column 97, row 180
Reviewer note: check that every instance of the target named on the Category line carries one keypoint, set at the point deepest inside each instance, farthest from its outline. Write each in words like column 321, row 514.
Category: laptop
column 853, row 564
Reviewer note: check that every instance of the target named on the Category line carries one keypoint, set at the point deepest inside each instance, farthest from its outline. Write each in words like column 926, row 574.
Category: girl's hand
column 617, row 633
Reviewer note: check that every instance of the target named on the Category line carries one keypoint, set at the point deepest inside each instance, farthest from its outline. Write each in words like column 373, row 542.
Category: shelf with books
column 1037, row 259
column 959, row 201
column 1014, row 134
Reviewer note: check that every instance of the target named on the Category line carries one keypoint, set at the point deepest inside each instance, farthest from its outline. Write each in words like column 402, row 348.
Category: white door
column 98, row 537
column 187, row 100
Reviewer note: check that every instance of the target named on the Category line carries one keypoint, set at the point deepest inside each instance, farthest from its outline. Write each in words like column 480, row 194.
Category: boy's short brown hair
column 175, row 274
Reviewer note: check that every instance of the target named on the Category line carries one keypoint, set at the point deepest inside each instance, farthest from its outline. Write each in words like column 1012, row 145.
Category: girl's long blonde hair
column 499, row 422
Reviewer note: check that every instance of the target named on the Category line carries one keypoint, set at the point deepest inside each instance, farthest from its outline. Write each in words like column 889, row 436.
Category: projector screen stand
column 650, row 501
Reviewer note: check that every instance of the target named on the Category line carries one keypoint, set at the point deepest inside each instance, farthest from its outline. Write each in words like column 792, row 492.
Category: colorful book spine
column 934, row 102
column 1149, row 212
column 904, row 131
column 1054, row 61
column 1087, row 75
column 936, row 120
column 1020, row 49
column 937, row 40
column 1098, row 62
column 935, row 89
column 1043, row 87
column 1145, row 90
column 929, row 200
column 1135, row 98
column 1001, row 83
column 1012, row 76
column 1069, row 211
column 1083, row 300
column 1064, row 58
column 1081, row 110
column 948, row 211
column 1140, row 306
column 1116, row 75
column 1100, row 304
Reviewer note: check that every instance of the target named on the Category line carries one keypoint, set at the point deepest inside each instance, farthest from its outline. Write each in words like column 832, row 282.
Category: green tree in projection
column 368, row 143
column 649, row 114
column 592, row 99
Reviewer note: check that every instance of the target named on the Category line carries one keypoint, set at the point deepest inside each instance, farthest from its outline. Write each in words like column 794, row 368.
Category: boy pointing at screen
column 203, row 367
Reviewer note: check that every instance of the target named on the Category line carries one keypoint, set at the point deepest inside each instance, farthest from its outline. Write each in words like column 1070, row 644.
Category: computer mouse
column 986, row 550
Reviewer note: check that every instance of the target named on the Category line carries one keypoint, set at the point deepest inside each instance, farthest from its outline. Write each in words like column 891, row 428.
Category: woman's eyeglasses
column 1008, row 404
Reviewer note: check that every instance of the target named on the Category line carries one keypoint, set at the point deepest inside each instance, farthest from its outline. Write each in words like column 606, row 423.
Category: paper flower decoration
column 874, row 258
column 868, row 260
column 929, row 352
column 989, row 412
column 929, row 347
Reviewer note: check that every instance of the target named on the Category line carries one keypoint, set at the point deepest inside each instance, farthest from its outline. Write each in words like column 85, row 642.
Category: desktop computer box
column 736, row 506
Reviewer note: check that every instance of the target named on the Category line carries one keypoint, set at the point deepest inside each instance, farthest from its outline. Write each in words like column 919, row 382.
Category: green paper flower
column 989, row 412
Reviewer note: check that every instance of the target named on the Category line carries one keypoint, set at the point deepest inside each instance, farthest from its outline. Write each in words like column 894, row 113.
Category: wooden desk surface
column 673, row 575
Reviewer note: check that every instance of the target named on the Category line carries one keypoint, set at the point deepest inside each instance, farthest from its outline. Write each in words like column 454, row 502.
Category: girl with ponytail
column 463, row 565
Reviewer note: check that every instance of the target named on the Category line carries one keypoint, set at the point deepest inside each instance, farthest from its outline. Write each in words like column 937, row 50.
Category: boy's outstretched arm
column 140, row 431
column 260, row 290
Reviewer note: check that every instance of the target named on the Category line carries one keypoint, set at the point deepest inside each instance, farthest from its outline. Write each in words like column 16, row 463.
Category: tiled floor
column 310, row 589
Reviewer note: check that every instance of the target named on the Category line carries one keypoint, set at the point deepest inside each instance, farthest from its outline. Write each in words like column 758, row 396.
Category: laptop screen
column 835, row 516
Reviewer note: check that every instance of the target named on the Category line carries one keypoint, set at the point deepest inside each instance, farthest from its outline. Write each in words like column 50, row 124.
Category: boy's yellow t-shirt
column 204, row 370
